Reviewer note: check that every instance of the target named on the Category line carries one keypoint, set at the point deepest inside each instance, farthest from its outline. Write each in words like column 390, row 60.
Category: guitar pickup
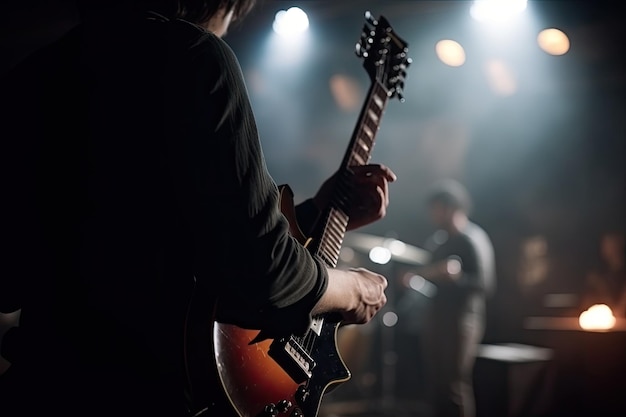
column 288, row 353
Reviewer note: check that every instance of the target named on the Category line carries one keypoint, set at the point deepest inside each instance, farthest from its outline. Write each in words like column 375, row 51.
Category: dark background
column 545, row 164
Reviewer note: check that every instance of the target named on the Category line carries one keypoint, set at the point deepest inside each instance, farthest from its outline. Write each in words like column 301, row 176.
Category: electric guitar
column 230, row 372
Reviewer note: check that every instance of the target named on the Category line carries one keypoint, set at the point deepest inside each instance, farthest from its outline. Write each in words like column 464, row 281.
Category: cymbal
column 400, row 251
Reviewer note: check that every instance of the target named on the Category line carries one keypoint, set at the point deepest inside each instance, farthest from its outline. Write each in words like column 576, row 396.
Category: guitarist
column 137, row 175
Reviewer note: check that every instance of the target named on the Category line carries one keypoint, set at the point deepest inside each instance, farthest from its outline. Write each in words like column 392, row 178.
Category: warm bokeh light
column 597, row 317
column 345, row 91
column 553, row 41
column 450, row 52
column 500, row 78
column 347, row 254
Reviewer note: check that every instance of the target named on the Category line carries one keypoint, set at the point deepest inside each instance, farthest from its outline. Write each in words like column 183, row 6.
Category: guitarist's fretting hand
column 357, row 294
column 370, row 194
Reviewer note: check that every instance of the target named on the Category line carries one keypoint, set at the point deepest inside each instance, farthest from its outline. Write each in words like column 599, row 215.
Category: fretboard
column 331, row 227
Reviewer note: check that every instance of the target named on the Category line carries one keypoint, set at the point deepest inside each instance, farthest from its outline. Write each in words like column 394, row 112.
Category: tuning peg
column 399, row 94
column 370, row 18
column 361, row 51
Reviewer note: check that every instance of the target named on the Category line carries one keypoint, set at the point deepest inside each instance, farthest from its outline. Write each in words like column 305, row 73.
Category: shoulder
column 198, row 41
column 478, row 239
column 474, row 232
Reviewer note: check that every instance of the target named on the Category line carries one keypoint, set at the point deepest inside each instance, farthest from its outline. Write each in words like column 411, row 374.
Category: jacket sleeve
column 243, row 249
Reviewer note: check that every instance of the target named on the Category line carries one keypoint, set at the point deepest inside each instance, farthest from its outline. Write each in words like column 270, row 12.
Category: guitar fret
column 362, row 152
column 377, row 110
column 359, row 159
column 340, row 219
column 371, row 124
column 326, row 259
column 373, row 115
column 332, row 253
column 334, row 240
column 379, row 101
column 368, row 132
column 335, row 232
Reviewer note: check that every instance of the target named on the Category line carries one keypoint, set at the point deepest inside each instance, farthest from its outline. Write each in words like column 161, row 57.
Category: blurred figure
column 462, row 271
column 607, row 283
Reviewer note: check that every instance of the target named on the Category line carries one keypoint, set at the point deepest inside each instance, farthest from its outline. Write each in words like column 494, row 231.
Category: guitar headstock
column 384, row 55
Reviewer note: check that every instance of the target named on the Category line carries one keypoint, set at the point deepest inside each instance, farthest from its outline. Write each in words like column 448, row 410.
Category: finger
column 370, row 201
column 374, row 170
column 372, row 181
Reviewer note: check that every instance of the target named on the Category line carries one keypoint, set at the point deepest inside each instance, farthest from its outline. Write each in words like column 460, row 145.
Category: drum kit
column 397, row 250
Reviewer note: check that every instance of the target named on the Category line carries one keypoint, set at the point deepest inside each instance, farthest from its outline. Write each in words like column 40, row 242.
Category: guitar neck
column 332, row 225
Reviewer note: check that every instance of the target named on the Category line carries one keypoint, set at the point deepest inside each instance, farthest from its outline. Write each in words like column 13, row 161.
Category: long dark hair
column 197, row 11
column 194, row 11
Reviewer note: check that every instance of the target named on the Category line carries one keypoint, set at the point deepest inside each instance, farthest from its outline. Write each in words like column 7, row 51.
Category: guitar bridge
column 288, row 353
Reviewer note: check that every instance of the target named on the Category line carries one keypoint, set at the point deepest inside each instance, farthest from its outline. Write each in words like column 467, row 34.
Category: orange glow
column 597, row 317
column 553, row 41
column 345, row 91
column 501, row 78
column 450, row 52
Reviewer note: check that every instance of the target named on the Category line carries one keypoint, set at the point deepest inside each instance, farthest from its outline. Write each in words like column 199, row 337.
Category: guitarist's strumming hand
column 370, row 193
column 357, row 294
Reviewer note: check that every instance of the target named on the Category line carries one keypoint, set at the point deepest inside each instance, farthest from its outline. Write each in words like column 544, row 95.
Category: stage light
column 397, row 247
column 496, row 10
column 390, row 319
column 553, row 41
column 450, row 52
column 453, row 266
column 422, row 286
column 597, row 317
column 290, row 22
column 380, row 255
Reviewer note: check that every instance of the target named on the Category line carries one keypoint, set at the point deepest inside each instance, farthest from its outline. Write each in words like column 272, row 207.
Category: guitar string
column 330, row 247
column 333, row 235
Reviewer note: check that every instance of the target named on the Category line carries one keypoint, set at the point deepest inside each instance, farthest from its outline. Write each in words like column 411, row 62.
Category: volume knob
column 283, row 406
column 270, row 410
column 302, row 394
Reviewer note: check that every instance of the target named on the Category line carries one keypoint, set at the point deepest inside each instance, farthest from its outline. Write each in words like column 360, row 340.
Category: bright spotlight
column 553, row 41
column 597, row 317
column 496, row 10
column 450, row 52
column 290, row 22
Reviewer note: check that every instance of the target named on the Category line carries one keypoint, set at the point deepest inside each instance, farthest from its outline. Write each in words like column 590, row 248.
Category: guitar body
column 254, row 381
column 231, row 377
column 235, row 372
